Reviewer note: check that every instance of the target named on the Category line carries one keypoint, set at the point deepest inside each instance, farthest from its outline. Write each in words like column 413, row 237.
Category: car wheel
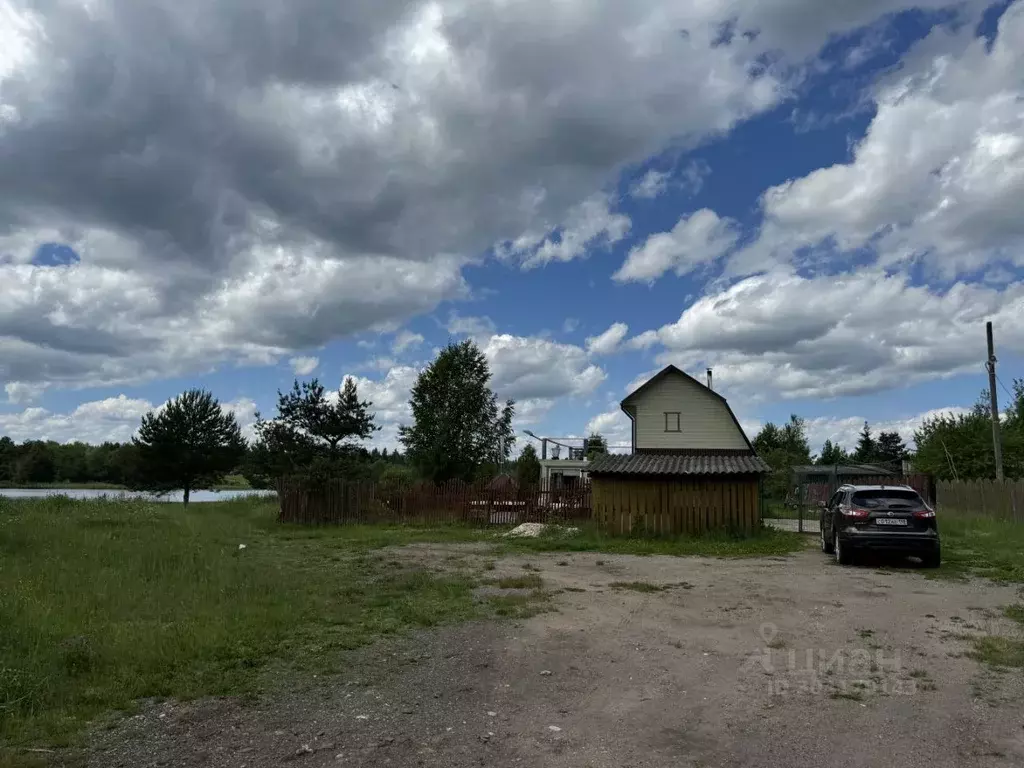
column 932, row 560
column 826, row 545
column 843, row 557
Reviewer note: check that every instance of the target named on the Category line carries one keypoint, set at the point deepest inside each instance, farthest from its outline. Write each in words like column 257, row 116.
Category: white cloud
column 474, row 327
column 405, row 340
column 614, row 426
column 390, row 401
column 650, row 185
column 608, row 342
column 589, row 225
column 244, row 409
column 534, row 368
column 845, row 431
column 937, row 178
column 20, row 393
column 784, row 335
column 654, row 182
column 114, row 418
column 303, row 366
column 696, row 240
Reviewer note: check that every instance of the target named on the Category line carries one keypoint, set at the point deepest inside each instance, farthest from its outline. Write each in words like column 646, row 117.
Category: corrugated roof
column 654, row 464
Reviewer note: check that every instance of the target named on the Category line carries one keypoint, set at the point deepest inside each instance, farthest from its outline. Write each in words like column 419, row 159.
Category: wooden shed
column 692, row 468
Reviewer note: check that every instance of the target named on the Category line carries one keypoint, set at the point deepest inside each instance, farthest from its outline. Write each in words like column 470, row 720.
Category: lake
column 91, row 493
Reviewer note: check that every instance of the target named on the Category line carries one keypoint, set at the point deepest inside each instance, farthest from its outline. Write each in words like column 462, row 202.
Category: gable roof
column 670, row 370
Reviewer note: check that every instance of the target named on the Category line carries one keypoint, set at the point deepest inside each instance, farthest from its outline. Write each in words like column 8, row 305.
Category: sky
column 822, row 202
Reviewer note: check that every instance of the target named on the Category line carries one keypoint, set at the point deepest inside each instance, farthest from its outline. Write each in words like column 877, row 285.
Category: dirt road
column 766, row 662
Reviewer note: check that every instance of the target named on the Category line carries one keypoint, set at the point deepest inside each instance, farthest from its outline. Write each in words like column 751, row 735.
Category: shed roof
column 674, row 464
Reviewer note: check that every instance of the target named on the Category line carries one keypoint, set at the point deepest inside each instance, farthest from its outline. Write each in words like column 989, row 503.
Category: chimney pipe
column 709, row 379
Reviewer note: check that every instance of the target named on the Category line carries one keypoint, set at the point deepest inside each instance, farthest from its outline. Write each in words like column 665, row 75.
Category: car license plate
column 890, row 521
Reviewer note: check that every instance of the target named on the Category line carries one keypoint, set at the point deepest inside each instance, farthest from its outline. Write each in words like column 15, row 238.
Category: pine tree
column 832, row 454
column 891, row 449
column 191, row 444
column 314, row 436
column 867, row 450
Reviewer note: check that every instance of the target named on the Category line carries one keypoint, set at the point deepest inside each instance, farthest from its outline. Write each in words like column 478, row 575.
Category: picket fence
column 343, row 501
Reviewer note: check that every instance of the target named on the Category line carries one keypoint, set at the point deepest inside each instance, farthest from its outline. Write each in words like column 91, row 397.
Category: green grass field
column 981, row 547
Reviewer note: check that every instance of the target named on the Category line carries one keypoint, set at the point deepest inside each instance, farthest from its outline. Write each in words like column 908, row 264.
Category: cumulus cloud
column 266, row 177
column 608, row 342
column 114, row 418
column 20, row 393
column 791, row 336
column 845, row 431
column 614, row 426
column 589, row 225
column 474, row 327
column 243, row 180
column 529, row 367
column 390, row 401
column 696, row 240
column 535, row 372
column 937, row 178
column 405, row 340
column 303, row 366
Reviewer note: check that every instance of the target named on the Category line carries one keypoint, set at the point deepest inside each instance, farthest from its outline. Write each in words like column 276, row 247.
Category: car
column 891, row 519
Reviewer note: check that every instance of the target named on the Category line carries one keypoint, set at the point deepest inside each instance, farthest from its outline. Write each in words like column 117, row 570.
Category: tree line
column 946, row 446
column 458, row 431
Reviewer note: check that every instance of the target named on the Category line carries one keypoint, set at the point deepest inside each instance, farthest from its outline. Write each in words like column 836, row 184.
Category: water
column 90, row 493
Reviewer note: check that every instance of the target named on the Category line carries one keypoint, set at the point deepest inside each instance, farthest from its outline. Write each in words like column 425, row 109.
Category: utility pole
column 997, row 446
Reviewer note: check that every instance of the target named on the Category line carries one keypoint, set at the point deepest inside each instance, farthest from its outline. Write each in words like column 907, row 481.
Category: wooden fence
column 675, row 506
column 982, row 499
column 342, row 501
column 813, row 493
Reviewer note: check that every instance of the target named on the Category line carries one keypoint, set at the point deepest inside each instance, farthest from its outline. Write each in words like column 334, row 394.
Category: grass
column 764, row 542
column 979, row 547
column 106, row 602
column 519, row 606
column 638, row 586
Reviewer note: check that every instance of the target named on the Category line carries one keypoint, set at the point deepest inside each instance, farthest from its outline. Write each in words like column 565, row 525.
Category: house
column 692, row 468
column 563, row 474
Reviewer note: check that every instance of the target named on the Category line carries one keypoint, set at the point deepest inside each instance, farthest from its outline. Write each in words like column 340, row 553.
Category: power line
column 1008, row 392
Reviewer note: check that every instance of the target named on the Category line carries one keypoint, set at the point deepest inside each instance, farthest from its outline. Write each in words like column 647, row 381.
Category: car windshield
column 885, row 497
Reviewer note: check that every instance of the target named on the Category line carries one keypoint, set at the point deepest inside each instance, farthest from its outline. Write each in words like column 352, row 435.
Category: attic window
column 672, row 421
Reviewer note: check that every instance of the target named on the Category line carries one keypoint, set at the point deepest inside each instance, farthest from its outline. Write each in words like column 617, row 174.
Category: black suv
column 879, row 518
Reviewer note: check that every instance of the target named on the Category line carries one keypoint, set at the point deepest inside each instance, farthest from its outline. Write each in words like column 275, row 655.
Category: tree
column 866, row 451
column 313, row 437
column 959, row 446
column 832, row 454
column 596, row 445
column 35, row 464
column 528, row 468
column 891, row 449
column 457, row 424
column 191, row 444
column 783, row 448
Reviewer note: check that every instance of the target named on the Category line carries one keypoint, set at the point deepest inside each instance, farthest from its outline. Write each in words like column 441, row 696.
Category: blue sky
column 820, row 202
